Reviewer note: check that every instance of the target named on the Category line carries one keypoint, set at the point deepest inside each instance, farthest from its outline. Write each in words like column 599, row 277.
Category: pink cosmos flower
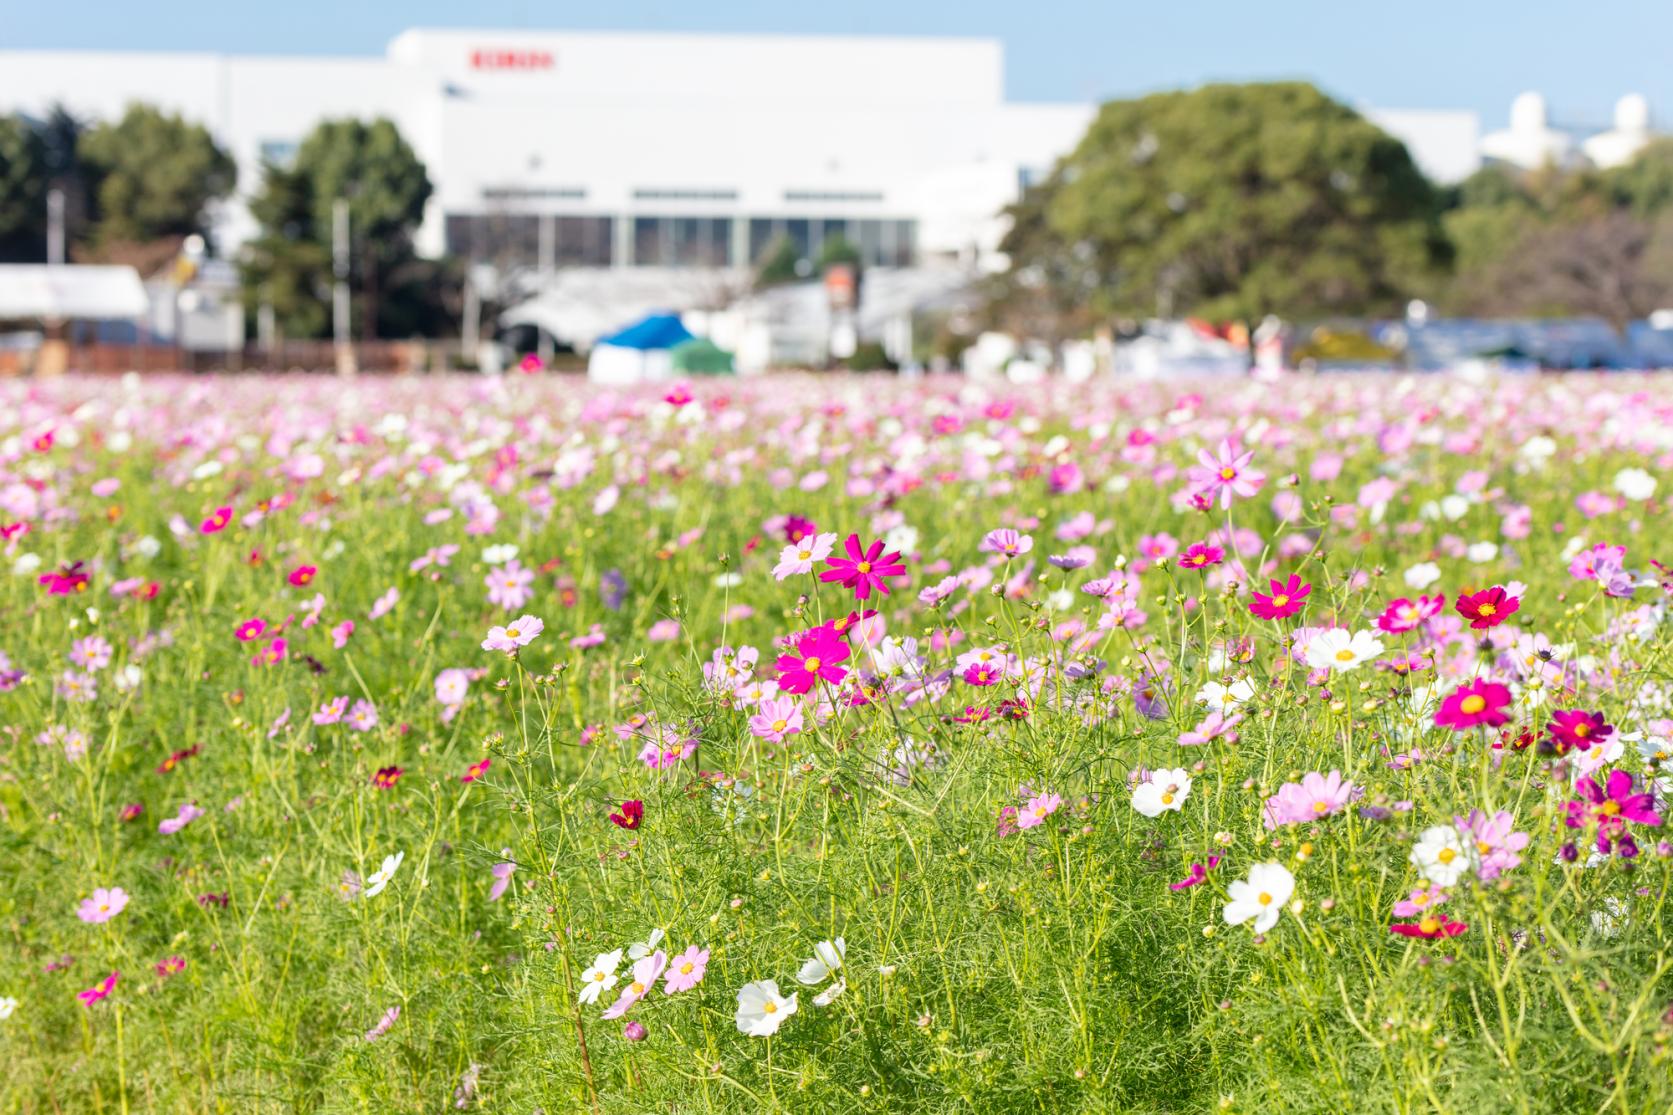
column 1433, row 925
column 332, row 711
column 1404, row 615
column 100, row 990
column 1216, row 725
column 383, row 604
column 508, row 586
column 250, row 630
column 1611, row 806
column 1578, row 729
column 776, row 718
column 1035, row 811
column 818, row 655
column 1475, row 702
column 798, row 557
column 1496, row 844
column 1316, row 796
column 863, row 570
column 1226, row 474
column 216, row 522
column 515, row 635
column 646, row 971
column 271, row 654
column 686, row 970
column 1006, row 542
column 502, row 879
column 105, row 904
column 1199, row 556
column 187, row 813
column 1287, row 598
column 302, row 575
column 384, row 1024
column 341, row 633
column 1198, row 874
column 1419, row 902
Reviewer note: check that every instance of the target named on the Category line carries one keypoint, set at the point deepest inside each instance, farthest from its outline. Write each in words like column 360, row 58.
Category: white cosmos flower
column 644, row 948
column 1482, row 552
column 499, row 555
column 828, row 996
column 1336, row 649
column 761, row 1009
column 1455, row 507
column 1166, row 789
column 827, row 958
column 377, row 880
column 1261, row 896
column 1442, row 856
column 1422, row 575
column 1635, row 484
column 8, row 1006
column 601, row 977
column 1224, row 698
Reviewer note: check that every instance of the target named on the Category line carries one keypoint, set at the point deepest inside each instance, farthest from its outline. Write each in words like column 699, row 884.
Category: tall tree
column 154, row 176
column 23, row 187
column 1235, row 201
column 373, row 168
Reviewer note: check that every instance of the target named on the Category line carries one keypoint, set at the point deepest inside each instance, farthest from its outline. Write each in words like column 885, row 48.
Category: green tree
column 154, row 176
column 779, row 264
column 1235, row 201
column 371, row 167
column 23, row 187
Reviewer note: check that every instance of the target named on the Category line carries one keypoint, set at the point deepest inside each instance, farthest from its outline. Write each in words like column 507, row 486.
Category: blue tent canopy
column 651, row 331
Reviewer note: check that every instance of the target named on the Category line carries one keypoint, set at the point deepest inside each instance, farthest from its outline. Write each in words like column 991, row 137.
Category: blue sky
column 1582, row 54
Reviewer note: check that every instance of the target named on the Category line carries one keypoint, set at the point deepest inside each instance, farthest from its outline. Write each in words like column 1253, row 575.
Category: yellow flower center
column 770, row 1007
column 1472, row 704
column 1228, row 474
column 1483, row 847
column 1447, row 855
column 1167, row 799
column 1430, row 924
column 1610, row 808
column 1264, row 899
column 1344, row 655
column 804, row 555
column 1582, row 730
column 864, row 567
column 687, row 968
column 1321, row 807
column 512, row 632
column 598, row 977
column 779, row 725
column 1280, row 600
column 1488, row 610
column 637, row 988
column 811, row 665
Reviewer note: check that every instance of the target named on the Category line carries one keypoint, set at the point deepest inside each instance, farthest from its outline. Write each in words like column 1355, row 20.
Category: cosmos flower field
column 836, row 744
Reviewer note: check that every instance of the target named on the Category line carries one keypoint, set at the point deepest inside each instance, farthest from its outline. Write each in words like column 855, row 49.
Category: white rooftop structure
column 1530, row 142
column 1629, row 135
column 71, row 292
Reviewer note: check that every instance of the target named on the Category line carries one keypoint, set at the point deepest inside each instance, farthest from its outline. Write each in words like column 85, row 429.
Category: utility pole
column 340, row 289
column 55, row 226
column 548, row 267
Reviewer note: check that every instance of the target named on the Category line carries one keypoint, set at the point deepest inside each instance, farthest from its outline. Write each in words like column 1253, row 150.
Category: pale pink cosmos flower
column 1314, row 797
column 646, row 971
column 1226, row 474
column 519, row 633
column 686, row 970
column 105, row 904
column 384, row 1024
column 332, row 711
column 775, row 718
column 186, row 815
column 1037, row 809
column 1497, row 845
column 1006, row 542
column 798, row 558
column 384, row 604
column 508, row 586
column 340, row 634
column 502, row 880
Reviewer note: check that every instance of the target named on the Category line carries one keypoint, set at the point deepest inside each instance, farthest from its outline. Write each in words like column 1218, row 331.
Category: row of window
column 513, row 240
column 647, row 193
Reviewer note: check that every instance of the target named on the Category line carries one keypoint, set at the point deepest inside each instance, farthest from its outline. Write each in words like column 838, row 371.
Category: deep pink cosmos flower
column 476, row 771
column 819, row 654
column 100, row 990
column 863, row 570
column 1487, row 608
column 216, row 522
column 631, row 815
column 797, row 528
column 1475, row 702
column 1434, row 925
column 1316, row 796
column 250, row 630
column 1288, row 598
column 1577, row 729
column 1226, row 474
column 171, row 966
column 1199, row 873
column 1404, row 615
column 1200, row 556
column 302, row 575
column 1611, row 806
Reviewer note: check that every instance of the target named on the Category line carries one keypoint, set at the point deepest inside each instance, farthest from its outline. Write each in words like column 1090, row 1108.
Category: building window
column 512, row 240
column 533, row 193
column 659, row 194
column 833, row 195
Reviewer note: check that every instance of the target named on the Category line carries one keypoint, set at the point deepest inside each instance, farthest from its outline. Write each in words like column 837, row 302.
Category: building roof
column 87, row 292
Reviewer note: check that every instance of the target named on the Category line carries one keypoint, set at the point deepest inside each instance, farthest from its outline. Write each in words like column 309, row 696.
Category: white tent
column 64, row 292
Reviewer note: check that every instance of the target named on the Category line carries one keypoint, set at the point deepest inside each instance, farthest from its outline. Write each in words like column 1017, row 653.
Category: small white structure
column 1530, row 142
column 1628, row 137
column 640, row 353
column 71, row 292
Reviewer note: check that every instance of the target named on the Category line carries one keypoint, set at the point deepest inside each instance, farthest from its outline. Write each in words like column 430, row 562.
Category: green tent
column 701, row 356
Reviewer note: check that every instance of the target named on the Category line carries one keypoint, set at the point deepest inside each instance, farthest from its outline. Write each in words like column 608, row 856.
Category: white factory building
column 657, row 150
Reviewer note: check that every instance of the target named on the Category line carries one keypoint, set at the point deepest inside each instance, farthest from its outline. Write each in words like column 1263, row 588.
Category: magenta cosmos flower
column 1578, row 729
column 1431, row 926
column 863, row 570
column 685, row 971
column 100, row 990
column 105, row 904
column 818, row 654
column 1476, row 702
column 1315, row 796
column 1226, row 474
column 1287, row 598
column 1612, row 806
column 1404, row 615
column 1487, row 608
column 1199, row 556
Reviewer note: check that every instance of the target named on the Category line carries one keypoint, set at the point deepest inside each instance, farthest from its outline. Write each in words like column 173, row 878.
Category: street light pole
column 55, row 226
column 340, row 289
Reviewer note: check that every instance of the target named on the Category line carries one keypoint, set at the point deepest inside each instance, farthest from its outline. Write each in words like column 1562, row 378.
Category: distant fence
column 389, row 357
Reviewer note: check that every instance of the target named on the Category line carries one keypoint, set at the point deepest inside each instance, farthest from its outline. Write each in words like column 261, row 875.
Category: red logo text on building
column 512, row 60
